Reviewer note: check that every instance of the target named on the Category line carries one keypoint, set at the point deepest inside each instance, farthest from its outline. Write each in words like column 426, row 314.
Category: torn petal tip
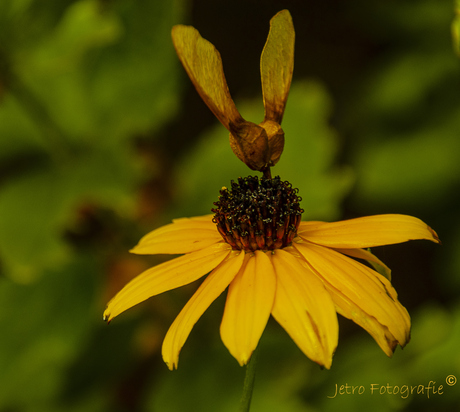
column 171, row 365
column 435, row 235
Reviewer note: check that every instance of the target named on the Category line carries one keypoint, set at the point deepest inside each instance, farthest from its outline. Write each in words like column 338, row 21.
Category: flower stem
column 267, row 173
column 248, row 385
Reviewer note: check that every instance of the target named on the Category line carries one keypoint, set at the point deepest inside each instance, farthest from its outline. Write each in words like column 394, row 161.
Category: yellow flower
column 301, row 273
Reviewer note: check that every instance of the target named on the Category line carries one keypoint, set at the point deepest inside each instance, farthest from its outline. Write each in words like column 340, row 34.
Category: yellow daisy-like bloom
column 301, row 273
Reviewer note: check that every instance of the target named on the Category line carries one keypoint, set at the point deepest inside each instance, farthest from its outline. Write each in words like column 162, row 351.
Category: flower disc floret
column 258, row 213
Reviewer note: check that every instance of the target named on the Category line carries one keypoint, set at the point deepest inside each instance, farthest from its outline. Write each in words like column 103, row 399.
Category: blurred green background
column 103, row 138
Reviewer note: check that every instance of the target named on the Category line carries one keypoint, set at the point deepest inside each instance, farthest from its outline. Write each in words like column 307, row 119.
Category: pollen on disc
column 258, row 213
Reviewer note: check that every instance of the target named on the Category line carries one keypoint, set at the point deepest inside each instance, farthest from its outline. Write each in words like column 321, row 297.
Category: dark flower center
column 258, row 213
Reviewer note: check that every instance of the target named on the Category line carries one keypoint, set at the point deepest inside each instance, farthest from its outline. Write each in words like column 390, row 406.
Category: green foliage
column 406, row 148
column 456, row 28
column 43, row 335
column 76, row 93
column 81, row 82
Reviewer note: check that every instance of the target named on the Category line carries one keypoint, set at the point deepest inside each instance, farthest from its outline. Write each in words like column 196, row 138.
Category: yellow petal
column 367, row 231
column 210, row 289
column 309, row 224
column 166, row 276
column 277, row 65
column 350, row 310
column 370, row 299
column 182, row 236
column 203, row 218
column 378, row 265
column 304, row 308
column 248, row 306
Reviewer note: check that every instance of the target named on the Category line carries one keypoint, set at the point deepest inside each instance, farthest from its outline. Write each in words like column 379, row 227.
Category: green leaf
column 456, row 28
column 134, row 83
column 18, row 133
column 94, row 79
column 82, row 28
column 103, row 73
column 44, row 325
column 418, row 167
column 35, row 209
column 31, row 214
